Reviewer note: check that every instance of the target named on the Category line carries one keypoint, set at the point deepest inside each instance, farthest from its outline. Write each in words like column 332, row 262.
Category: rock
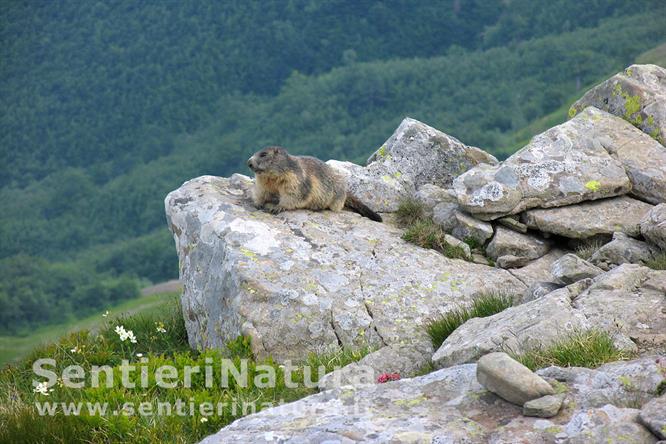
column 444, row 215
column 653, row 226
column 622, row 384
column 305, row 281
column 627, row 301
column 653, row 416
column 404, row 360
column 565, row 165
column 418, row 154
column 622, row 250
column 607, row 425
column 467, row 227
column 510, row 380
column 457, row 243
column 538, row 290
column 642, row 157
column 534, row 324
column 431, row 195
column 590, row 218
column 510, row 249
column 415, row 155
column 570, row 268
column 538, row 270
column 544, row 407
column 480, row 259
column 637, row 95
column 513, row 223
column 380, row 193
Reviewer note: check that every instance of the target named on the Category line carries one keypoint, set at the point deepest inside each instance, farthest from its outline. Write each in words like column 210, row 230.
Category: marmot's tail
column 359, row 207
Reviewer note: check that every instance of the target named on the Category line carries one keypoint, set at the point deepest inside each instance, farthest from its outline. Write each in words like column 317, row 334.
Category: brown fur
column 285, row 182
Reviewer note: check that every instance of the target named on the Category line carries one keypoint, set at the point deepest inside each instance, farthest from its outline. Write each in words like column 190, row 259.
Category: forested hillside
column 107, row 106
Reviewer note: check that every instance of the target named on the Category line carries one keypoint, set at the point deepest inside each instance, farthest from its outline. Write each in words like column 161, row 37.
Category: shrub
column 487, row 305
column 590, row 348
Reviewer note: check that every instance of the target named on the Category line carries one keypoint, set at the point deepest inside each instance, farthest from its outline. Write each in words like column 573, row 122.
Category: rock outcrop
column 567, row 227
column 302, row 282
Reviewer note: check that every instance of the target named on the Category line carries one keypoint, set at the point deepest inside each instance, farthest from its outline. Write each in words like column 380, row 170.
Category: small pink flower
column 386, row 377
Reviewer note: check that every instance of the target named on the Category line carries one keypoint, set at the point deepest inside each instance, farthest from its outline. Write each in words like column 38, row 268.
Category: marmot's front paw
column 272, row 208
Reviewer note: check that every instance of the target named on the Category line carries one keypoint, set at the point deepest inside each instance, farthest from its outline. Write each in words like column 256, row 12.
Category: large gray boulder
column 417, row 154
column 588, row 219
column 637, row 94
column 305, row 281
column 565, row 165
column 511, row 249
column 653, row 226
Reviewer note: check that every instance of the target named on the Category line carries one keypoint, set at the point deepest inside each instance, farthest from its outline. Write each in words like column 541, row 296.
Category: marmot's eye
column 262, row 155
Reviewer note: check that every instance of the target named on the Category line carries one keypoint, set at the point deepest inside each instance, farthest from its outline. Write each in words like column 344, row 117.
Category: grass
column 13, row 348
column 590, row 348
column 421, row 230
column 410, row 211
column 161, row 340
column 487, row 305
column 658, row 262
column 586, row 249
column 655, row 56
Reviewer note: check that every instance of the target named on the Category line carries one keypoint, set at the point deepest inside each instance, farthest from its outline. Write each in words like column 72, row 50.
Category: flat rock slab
column 510, row 380
column 637, row 94
column 565, row 165
column 588, row 219
column 304, row 281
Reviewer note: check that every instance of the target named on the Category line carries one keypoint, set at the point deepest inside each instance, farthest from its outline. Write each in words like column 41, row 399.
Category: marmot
column 285, row 182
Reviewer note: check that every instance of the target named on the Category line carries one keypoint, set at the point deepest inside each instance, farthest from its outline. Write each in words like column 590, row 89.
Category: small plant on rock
column 410, row 211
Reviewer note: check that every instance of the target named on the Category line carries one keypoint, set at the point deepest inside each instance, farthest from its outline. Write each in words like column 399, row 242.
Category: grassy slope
column 13, row 348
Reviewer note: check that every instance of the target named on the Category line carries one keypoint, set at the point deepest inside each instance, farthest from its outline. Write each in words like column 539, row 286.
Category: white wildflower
column 43, row 388
column 203, row 419
column 160, row 327
column 76, row 349
column 125, row 334
column 105, row 314
column 139, row 355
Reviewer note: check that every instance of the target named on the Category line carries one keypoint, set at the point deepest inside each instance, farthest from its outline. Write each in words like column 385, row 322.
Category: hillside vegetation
column 108, row 106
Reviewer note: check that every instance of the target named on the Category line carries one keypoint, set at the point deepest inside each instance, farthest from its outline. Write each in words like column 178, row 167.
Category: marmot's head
column 272, row 160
